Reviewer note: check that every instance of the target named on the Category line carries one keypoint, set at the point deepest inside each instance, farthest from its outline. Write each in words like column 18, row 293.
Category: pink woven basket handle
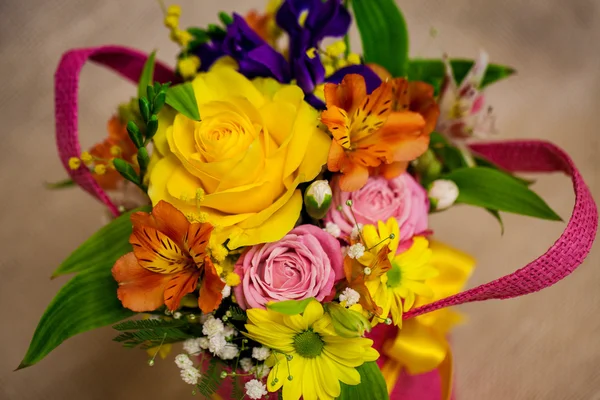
column 567, row 253
column 129, row 64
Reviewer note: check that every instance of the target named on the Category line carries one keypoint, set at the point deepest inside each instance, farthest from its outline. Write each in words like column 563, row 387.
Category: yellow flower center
column 394, row 276
column 308, row 344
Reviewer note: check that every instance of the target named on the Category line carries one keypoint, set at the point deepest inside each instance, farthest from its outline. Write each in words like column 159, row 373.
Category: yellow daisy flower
column 395, row 291
column 309, row 359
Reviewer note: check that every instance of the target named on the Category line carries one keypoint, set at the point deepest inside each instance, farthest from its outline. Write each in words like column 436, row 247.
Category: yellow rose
column 240, row 166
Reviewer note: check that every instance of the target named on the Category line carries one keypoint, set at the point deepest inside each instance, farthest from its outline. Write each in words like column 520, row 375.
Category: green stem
column 347, row 36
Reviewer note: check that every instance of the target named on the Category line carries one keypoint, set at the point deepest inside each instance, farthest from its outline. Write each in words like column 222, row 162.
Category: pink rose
column 305, row 263
column 380, row 199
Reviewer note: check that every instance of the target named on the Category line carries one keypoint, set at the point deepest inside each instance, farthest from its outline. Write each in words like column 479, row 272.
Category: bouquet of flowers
column 269, row 203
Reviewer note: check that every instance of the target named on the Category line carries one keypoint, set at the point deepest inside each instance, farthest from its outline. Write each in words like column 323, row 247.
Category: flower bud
column 347, row 323
column 317, row 199
column 443, row 193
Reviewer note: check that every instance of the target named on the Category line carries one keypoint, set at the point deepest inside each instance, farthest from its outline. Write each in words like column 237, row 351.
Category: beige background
column 543, row 346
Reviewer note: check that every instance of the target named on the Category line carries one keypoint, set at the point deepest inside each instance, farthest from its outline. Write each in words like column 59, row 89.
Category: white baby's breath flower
column 261, row 353
column 262, row 371
column 255, row 389
column 183, row 361
column 228, row 352
column 356, row 231
column 216, row 343
column 212, row 326
column 226, row 292
column 229, row 332
column 350, row 296
column 356, row 251
column 202, row 342
column 246, row 364
column 191, row 346
column 190, row 375
column 333, row 229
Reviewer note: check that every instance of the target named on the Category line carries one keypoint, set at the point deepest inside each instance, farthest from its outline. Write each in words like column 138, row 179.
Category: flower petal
column 179, row 285
column 210, row 292
column 139, row 289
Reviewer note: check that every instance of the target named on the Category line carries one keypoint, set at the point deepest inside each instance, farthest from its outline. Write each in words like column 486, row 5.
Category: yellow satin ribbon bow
column 421, row 344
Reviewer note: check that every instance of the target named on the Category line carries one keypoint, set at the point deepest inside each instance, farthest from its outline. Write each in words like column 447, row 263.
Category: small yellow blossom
column 311, row 53
column 171, row 21
column 86, row 157
column 115, row 151
column 329, row 69
column 188, row 67
column 232, row 279
column 100, row 169
column 174, row 10
column 353, row 59
column 74, row 163
column 336, row 49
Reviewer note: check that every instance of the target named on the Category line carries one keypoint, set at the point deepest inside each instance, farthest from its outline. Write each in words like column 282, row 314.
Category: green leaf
column 498, row 218
column 147, row 75
column 483, row 162
column 86, row 302
column 65, row 183
column 138, row 324
column 383, row 34
column 181, row 98
column 492, row 189
column 432, row 71
column 103, row 248
column 89, row 300
column 290, row 307
column 211, row 380
column 371, row 386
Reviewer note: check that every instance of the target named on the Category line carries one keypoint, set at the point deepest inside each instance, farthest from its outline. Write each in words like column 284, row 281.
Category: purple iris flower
column 256, row 58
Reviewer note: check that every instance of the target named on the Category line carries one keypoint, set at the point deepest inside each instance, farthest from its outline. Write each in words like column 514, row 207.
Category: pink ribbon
column 129, row 64
column 560, row 260
column 567, row 253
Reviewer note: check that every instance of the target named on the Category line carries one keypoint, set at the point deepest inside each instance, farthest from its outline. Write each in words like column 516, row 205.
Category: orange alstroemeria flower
column 377, row 133
column 118, row 138
column 169, row 256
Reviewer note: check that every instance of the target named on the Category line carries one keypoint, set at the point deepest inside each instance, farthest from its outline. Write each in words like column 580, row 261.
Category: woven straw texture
column 542, row 346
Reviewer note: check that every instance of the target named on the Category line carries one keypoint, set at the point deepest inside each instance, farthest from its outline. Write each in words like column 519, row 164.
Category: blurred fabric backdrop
column 542, row 346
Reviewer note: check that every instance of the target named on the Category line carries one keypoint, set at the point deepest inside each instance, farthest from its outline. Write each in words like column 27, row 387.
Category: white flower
column 356, row 251
column 350, row 296
column 443, row 193
column 229, row 332
column 246, row 364
column 333, row 229
column 202, row 342
column 320, row 191
column 190, row 375
column 255, row 389
column 216, row 343
column 213, row 326
column 191, row 346
column 261, row 353
column 356, row 231
column 262, row 371
column 226, row 292
column 183, row 361
column 229, row 352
